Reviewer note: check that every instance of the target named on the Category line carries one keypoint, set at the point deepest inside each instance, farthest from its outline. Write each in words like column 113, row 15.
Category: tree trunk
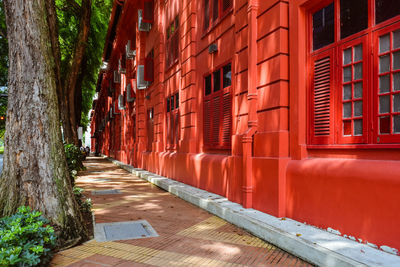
column 35, row 171
column 76, row 66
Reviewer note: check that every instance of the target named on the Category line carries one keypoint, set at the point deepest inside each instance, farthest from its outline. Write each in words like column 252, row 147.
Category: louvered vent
column 322, row 96
column 216, row 117
column 226, row 119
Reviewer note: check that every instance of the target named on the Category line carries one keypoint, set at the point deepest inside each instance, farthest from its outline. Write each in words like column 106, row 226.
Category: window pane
column 384, row 125
column 177, row 100
column 384, row 104
column 396, row 60
column 358, row 69
column 347, row 110
column 217, row 80
column 396, row 81
column 215, row 10
column 358, row 109
column 358, row 53
column 386, row 9
column 358, row 127
column 347, row 74
column 208, row 85
column 323, row 27
column 353, row 16
column 227, row 76
column 384, row 43
column 347, row 56
column 396, row 103
column 168, row 108
column 206, row 14
column 384, row 64
column 396, row 39
column 384, row 84
column 358, row 90
column 172, row 102
column 347, row 92
column 346, row 127
column 396, row 124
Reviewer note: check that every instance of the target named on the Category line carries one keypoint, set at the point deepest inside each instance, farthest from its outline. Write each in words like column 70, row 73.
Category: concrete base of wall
column 307, row 242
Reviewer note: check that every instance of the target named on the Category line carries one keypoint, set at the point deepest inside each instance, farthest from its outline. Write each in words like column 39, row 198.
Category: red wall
column 352, row 190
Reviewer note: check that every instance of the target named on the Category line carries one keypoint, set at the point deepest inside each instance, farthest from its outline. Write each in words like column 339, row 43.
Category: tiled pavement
column 188, row 235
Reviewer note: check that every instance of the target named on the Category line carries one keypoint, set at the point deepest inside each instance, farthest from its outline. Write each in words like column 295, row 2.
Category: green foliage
column 3, row 47
column 84, row 203
column 74, row 160
column 26, row 239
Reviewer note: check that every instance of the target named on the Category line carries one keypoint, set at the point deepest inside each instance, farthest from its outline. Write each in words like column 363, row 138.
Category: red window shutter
column 217, row 120
column 208, row 113
column 226, row 4
column 321, row 99
column 206, row 14
column 148, row 11
column 176, row 128
column 226, row 120
column 215, row 10
column 149, row 69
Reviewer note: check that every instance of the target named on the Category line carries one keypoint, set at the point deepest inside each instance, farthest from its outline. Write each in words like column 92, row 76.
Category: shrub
column 84, row 203
column 74, row 160
column 26, row 239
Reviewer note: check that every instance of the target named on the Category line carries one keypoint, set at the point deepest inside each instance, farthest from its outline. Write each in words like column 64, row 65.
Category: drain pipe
column 247, row 138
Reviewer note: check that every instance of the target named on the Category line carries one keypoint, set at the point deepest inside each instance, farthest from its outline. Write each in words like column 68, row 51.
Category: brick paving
column 188, row 235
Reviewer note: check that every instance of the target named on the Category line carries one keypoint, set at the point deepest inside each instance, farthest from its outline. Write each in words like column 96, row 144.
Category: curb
column 309, row 243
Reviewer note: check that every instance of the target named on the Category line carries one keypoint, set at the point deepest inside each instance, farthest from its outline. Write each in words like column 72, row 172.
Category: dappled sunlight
column 224, row 251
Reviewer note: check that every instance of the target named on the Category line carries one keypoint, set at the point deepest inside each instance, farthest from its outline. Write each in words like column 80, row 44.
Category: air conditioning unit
column 141, row 83
column 130, row 54
column 111, row 113
column 120, row 68
column 131, row 92
column 117, row 77
column 121, row 104
column 143, row 26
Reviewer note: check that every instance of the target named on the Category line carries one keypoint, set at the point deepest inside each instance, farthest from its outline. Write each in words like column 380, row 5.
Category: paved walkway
column 188, row 235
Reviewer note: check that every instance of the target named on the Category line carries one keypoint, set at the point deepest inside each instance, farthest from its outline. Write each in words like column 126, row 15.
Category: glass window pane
column 208, row 85
column 347, row 110
column 384, row 64
column 396, row 81
column 384, row 84
column 384, row 104
column 347, row 92
column 323, row 27
column 177, row 100
column 217, row 80
column 358, row 69
column 353, row 16
column 168, row 108
column 384, row 125
column 358, row 127
column 396, row 39
column 384, row 43
column 396, row 124
column 358, row 53
column 172, row 102
column 386, row 9
column 358, row 90
column 227, row 81
column 347, row 56
column 346, row 127
column 396, row 60
column 396, row 103
column 358, row 109
column 347, row 74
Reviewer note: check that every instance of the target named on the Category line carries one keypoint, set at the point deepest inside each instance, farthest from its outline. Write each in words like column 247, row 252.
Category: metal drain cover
column 123, row 231
column 106, row 192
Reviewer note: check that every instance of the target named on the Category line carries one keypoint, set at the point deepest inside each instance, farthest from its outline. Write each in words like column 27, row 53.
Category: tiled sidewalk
column 188, row 236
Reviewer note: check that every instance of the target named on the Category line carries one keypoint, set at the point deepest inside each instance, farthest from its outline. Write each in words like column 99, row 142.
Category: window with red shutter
column 173, row 115
column 148, row 11
column 149, row 67
column 218, row 109
column 214, row 10
column 355, row 74
column 172, row 44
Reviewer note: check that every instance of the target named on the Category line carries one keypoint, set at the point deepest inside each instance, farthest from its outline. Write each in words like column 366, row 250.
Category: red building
column 288, row 107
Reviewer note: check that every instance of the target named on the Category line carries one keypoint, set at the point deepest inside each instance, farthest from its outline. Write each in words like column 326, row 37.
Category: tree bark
column 35, row 171
column 76, row 66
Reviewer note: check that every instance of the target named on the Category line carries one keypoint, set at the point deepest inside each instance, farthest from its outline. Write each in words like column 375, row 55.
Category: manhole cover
column 123, row 231
column 106, row 192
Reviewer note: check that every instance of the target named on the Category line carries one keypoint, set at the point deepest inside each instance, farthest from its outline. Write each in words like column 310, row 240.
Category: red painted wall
column 353, row 190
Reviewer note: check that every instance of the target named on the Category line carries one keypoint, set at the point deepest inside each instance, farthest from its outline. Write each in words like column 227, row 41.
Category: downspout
column 248, row 136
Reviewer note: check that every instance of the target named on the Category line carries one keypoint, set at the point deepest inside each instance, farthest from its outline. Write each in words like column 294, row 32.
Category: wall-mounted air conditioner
column 121, row 102
column 111, row 113
column 120, row 68
column 130, row 54
column 141, row 83
column 131, row 92
column 143, row 26
column 117, row 77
